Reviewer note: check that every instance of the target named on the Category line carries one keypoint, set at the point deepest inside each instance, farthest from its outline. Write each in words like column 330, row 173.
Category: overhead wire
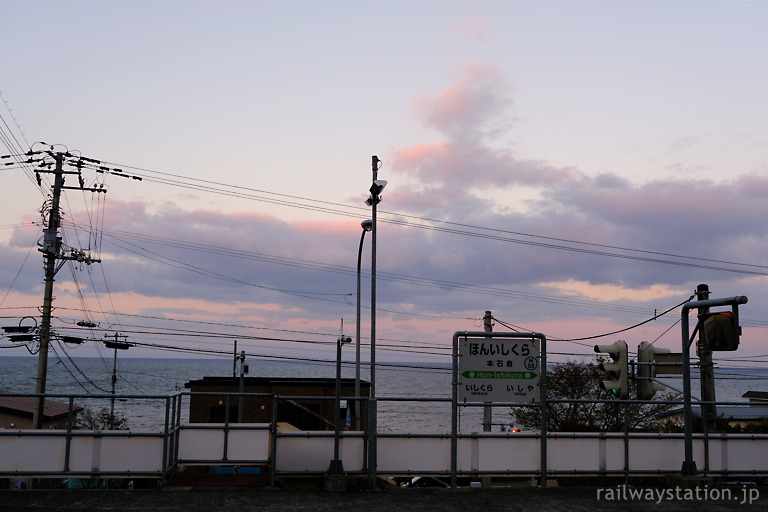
column 447, row 283
column 384, row 276
column 14, row 146
column 18, row 273
column 332, row 335
column 612, row 333
column 330, row 207
column 304, row 200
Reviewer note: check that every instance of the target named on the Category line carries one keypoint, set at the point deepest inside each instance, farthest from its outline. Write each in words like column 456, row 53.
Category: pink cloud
column 332, row 228
column 466, row 112
column 460, row 165
column 477, row 97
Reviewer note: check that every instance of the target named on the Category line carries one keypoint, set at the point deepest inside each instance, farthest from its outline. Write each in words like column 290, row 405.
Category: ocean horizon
column 165, row 377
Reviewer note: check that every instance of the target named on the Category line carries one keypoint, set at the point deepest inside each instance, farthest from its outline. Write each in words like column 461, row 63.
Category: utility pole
column 116, row 345
column 487, row 410
column 51, row 249
column 114, row 381
column 243, row 371
column 706, row 366
column 234, row 362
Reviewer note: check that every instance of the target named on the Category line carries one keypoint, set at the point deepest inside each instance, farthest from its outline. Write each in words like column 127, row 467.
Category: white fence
column 151, row 454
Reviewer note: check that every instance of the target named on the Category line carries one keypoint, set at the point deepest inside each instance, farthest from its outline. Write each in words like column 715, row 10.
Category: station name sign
column 499, row 370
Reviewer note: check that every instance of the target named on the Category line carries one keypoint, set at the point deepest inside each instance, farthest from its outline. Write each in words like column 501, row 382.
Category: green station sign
column 499, row 370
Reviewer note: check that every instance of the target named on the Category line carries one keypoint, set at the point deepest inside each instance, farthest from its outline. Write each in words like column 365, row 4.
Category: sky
column 574, row 167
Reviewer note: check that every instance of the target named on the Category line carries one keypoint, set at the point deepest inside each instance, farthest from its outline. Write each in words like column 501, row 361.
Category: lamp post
column 367, row 225
column 336, row 467
column 376, row 187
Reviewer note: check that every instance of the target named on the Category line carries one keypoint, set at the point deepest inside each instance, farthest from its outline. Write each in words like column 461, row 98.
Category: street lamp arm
column 367, row 225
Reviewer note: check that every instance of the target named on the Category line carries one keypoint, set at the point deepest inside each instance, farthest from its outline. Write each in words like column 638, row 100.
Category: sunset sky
column 573, row 166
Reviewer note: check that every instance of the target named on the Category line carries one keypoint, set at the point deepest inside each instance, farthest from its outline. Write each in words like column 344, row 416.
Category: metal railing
column 157, row 453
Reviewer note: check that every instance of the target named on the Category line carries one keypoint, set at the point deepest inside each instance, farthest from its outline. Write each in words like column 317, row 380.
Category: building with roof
column 750, row 413
column 309, row 402
column 756, row 397
column 16, row 412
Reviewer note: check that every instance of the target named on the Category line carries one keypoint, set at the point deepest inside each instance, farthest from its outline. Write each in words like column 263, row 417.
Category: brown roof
column 25, row 406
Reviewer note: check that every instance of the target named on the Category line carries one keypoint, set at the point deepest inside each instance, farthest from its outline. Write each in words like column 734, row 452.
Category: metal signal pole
column 706, row 367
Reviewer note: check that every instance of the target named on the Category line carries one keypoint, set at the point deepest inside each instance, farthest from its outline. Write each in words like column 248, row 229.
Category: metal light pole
column 376, row 187
column 367, row 225
column 336, row 467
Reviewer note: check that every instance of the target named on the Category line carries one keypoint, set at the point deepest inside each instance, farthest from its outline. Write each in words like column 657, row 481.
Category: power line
column 330, row 207
column 596, row 336
column 314, row 265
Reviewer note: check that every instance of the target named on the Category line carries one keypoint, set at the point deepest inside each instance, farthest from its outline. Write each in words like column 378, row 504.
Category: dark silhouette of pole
column 336, row 467
column 114, row 381
column 240, row 401
column 366, row 225
column 50, row 249
column 487, row 409
column 706, row 367
column 689, row 465
column 373, row 200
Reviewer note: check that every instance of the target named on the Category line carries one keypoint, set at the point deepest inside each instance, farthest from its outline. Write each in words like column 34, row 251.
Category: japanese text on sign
column 499, row 370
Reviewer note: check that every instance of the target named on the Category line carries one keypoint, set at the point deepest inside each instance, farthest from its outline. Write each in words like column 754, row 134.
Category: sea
column 397, row 384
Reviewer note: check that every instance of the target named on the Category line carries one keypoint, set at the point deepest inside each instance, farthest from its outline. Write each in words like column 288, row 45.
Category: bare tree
column 574, row 380
column 88, row 419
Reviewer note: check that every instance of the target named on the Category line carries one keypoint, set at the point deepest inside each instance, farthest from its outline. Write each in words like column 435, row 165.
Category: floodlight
column 377, row 187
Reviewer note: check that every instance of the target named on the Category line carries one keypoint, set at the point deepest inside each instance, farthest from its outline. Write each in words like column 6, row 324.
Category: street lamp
column 376, row 188
column 367, row 225
column 336, row 467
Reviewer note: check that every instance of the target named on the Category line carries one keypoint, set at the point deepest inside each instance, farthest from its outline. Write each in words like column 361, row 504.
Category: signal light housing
column 646, row 370
column 617, row 381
